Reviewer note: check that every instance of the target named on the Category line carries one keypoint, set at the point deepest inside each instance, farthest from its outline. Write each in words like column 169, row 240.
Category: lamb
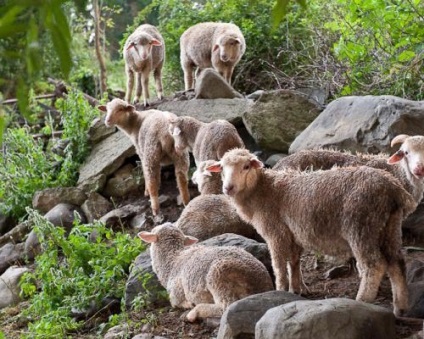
column 148, row 131
column 339, row 212
column 407, row 165
column 207, row 182
column 211, row 44
column 209, row 278
column 209, row 215
column 144, row 52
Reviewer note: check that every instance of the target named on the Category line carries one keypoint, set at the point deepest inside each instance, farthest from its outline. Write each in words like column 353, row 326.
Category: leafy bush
column 73, row 273
column 27, row 166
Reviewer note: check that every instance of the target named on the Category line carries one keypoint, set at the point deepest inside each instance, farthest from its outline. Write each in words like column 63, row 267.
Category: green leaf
column 406, row 56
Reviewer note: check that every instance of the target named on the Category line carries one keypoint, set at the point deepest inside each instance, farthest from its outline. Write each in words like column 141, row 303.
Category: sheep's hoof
column 192, row 316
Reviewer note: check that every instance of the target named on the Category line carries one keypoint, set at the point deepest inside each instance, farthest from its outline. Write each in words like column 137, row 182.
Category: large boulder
column 11, row 254
column 240, row 318
column 105, row 158
column 9, row 286
column 96, row 206
column 48, row 198
column 362, row 123
column 277, row 117
column 211, row 85
column 330, row 318
column 6, row 224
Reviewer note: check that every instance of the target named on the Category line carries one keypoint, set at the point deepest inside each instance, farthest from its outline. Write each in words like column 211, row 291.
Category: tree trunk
column 97, row 32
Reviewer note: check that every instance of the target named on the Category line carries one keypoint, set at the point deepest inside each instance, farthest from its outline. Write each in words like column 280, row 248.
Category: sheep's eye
column 405, row 152
column 246, row 167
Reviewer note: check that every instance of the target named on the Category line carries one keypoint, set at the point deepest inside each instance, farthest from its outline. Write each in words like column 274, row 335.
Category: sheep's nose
column 419, row 171
column 229, row 189
column 224, row 57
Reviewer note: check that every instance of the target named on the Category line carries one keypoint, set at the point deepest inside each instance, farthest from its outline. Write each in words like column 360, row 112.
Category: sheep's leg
column 188, row 75
column 396, row 271
column 130, row 83
column 182, row 165
column 295, row 273
column 204, row 311
column 145, row 87
column 227, row 74
column 177, row 296
column 137, row 88
column 152, row 181
column 157, row 74
column 279, row 265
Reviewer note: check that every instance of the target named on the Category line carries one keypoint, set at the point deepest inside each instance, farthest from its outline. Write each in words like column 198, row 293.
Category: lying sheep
column 207, row 182
column 144, row 52
column 211, row 44
column 341, row 212
column 407, row 165
column 148, row 130
column 209, row 278
column 209, row 215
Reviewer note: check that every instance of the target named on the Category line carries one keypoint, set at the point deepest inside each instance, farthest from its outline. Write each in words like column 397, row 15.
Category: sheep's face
column 411, row 153
column 229, row 48
column 141, row 47
column 201, row 175
column 238, row 171
column 116, row 112
column 180, row 141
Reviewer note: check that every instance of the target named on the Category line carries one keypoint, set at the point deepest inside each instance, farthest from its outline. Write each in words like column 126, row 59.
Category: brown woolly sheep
column 211, row 44
column 340, row 212
column 208, row 278
column 144, row 52
column 148, row 130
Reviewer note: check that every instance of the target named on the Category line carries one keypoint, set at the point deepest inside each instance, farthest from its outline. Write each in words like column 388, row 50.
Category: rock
column 105, row 158
column 320, row 95
column 6, row 224
column 362, row 123
column 273, row 159
column 48, row 198
column 62, row 215
column 416, row 300
column 414, row 223
column 9, row 286
column 99, row 131
column 207, row 110
column 337, row 272
column 123, row 182
column 117, row 332
column 11, row 254
column 415, row 271
column 16, row 234
column 277, row 117
column 258, row 250
column 330, row 318
column 211, row 85
column 143, row 282
column 96, row 206
column 240, row 318
column 121, row 217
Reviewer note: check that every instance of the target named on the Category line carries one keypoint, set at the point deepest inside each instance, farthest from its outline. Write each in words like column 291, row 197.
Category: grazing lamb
column 339, row 212
column 407, row 164
column 209, row 215
column 207, row 182
column 211, row 44
column 148, row 130
column 209, row 278
column 144, row 52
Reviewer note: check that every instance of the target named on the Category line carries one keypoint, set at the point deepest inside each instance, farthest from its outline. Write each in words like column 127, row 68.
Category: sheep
column 207, row 141
column 342, row 211
column 209, row 215
column 407, row 165
column 211, row 44
column 148, row 131
column 207, row 182
column 209, row 278
column 144, row 51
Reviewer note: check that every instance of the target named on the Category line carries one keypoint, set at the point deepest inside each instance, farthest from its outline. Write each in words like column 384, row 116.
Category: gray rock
column 143, row 282
column 277, row 117
column 118, row 332
column 96, row 206
column 99, row 131
column 94, row 184
column 16, row 234
column 416, row 300
column 240, row 318
column 415, row 271
column 320, row 95
column 331, row 318
column 273, row 159
column 11, row 254
column 106, row 157
column 9, row 286
column 48, row 198
column 123, row 182
column 258, row 250
column 6, row 224
column 211, row 85
column 207, row 110
column 121, row 217
column 362, row 123
column 414, row 223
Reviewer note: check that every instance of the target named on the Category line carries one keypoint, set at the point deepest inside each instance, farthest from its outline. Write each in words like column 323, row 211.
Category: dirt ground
column 167, row 322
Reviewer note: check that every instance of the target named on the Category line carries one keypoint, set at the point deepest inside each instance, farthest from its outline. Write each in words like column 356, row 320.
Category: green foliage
column 74, row 272
column 27, row 166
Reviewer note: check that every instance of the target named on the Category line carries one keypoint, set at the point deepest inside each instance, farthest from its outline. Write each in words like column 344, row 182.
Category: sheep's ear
column 102, row 108
column 399, row 139
column 148, row 237
column 207, row 173
column 129, row 108
column 189, row 240
column 215, row 47
column 156, row 42
column 255, row 163
column 238, row 40
column 131, row 44
column 214, row 168
column 398, row 156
